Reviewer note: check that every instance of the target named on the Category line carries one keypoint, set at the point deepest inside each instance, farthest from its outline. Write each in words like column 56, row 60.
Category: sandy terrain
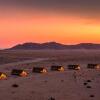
column 67, row 85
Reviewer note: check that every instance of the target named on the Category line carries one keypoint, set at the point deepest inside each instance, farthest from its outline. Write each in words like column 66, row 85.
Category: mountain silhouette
column 55, row 45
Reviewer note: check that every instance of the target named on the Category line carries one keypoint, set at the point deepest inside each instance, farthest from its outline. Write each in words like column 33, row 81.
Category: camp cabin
column 57, row 68
column 39, row 70
column 18, row 72
column 93, row 66
column 3, row 76
column 74, row 67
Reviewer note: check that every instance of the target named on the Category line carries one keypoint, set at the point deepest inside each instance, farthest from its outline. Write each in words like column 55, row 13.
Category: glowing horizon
column 20, row 25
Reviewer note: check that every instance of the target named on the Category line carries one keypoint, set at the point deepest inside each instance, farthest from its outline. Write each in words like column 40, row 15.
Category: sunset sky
column 63, row 21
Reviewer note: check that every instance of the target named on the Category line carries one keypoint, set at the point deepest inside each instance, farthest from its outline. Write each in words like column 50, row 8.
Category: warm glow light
column 40, row 26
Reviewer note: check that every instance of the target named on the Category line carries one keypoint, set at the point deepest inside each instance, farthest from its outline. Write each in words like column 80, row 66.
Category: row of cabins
column 22, row 73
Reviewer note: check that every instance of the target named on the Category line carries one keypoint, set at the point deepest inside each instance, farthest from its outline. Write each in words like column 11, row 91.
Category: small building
column 39, row 70
column 74, row 67
column 3, row 76
column 19, row 72
column 93, row 66
column 57, row 68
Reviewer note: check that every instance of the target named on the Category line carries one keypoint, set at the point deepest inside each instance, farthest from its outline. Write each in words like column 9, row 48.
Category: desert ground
column 66, row 85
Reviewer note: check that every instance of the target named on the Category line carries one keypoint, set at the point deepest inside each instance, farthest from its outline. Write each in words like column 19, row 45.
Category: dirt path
column 24, row 62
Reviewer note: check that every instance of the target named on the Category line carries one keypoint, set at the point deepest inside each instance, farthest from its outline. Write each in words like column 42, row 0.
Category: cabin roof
column 1, row 73
column 17, row 71
column 56, row 65
column 41, row 68
column 38, row 67
column 73, row 65
column 93, row 64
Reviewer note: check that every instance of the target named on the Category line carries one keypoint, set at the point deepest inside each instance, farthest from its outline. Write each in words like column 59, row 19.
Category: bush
column 15, row 85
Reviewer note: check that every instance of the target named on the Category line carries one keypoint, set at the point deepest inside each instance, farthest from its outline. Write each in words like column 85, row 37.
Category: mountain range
column 54, row 45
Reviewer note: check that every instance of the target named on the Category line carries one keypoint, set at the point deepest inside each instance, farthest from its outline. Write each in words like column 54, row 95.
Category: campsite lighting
column 3, row 76
column 74, row 67
column 57, row 68
column 23, row 74
column 39, row 70
column 93, row 66
column 19, row 72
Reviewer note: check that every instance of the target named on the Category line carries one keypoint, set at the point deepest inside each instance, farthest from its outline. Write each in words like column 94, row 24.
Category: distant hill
column 54, row 45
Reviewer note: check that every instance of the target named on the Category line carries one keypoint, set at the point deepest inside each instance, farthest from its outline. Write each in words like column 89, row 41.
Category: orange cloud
column 36, row 26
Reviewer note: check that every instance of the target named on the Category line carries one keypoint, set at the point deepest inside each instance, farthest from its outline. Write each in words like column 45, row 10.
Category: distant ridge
column 54, row 45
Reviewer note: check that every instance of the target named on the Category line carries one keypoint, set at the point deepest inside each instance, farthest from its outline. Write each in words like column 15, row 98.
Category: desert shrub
column 15, row 85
